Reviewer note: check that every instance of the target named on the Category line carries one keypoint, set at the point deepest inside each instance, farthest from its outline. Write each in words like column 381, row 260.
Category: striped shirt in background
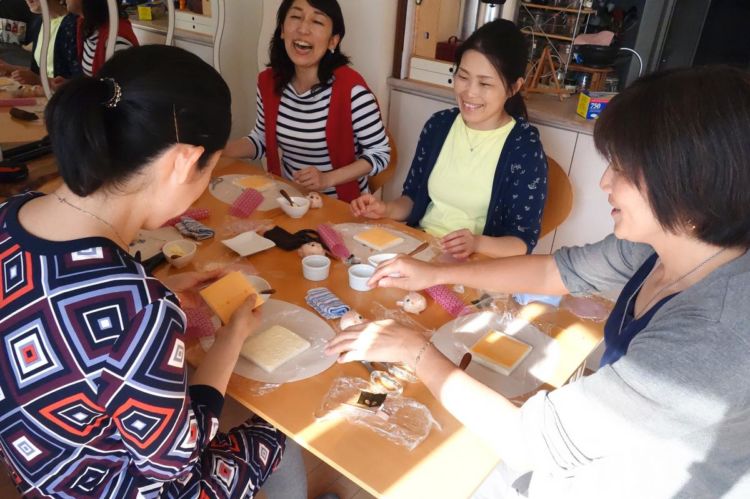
column 301, row 132
column 89, row 49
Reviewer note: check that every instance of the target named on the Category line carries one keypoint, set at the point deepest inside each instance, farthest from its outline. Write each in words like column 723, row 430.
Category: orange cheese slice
column 500, row 352
column 257, row 182
column 377, row 238
column 228, row 293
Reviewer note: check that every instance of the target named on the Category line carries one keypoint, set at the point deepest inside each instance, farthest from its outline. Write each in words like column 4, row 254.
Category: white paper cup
column 179, row 252
column 316, row 267
column 359, row 275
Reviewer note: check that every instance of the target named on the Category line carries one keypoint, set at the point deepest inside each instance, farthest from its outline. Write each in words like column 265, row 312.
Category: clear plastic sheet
column 304, row 365
column 232, row 226
column 594, row 308
column 409, row 244
column 455, row 339
column 401, row 420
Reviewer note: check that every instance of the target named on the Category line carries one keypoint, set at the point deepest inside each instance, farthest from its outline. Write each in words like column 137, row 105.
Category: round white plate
column 455, row 338
column 224, row 189
column 304, row 323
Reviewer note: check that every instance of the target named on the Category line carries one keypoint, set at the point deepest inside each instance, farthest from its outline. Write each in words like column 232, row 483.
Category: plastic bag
column 233, row 226
column 401, row 420
column 593, row 308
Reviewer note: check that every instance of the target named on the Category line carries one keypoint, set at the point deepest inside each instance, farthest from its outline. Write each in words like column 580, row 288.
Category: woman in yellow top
column 478, row 180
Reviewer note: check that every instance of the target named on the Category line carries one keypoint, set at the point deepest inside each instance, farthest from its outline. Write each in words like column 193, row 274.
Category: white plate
column 248, row 243
column 224, row 189
column 8, row 83
column 304, row 323
column 455, row 338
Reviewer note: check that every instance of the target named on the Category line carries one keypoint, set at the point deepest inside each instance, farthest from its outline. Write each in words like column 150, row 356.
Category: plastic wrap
column 409, row 244
column 593, row 308
column 233, row 226
column 457, row 337
column 300, row 321
column 401, row 420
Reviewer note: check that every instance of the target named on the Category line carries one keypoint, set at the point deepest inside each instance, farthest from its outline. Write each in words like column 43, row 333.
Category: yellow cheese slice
column 273, row 347
column 228, row 293
column 257, row 182
column 377, row 238
column 500, row 352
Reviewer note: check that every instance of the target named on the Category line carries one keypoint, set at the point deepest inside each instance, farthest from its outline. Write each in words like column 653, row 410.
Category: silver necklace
column 666, row 286
column 468, row 139
column 112, row 227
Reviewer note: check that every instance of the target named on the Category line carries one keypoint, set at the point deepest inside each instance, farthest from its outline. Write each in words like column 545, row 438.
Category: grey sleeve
column 683, row 374
column 599, row 267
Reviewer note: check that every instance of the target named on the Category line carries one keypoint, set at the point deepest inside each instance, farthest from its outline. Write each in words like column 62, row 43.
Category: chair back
column 376, row 182
column 559, row 198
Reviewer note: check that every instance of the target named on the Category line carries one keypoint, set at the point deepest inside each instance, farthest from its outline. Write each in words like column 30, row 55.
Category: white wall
column 369, row 40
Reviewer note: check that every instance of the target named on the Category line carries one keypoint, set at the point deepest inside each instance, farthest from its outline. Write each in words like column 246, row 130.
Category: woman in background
column 93, row 31
column 314, row 107
column 478, row 180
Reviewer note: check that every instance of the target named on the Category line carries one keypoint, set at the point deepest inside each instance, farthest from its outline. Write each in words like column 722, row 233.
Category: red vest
column 124, row 29
column 339, row 128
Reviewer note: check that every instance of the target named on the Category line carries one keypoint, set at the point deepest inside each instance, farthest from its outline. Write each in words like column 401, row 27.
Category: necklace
column 468, row 139
column 666, row 286
column 112, row 227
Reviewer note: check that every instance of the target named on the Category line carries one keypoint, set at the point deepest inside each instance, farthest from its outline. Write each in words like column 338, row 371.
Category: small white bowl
column 379, row 258
column 301, row 205
column 179, row 252
column 316, row 267
column 259, row 284
column 359, row 275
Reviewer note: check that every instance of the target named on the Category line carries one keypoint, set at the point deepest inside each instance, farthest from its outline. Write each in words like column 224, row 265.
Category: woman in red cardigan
column 93, row 30
column 314, row 107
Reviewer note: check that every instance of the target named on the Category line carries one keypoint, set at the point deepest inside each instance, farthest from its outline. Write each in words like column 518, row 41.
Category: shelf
column 528, row 31
column 558, row 9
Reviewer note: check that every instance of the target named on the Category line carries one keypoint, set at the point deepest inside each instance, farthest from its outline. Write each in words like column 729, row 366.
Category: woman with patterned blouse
column 94, row 396
column 315, row 108
column 478, row 180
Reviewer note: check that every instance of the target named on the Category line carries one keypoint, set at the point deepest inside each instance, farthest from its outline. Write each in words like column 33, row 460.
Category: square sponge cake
column 228, row 293
column 257, row 182
column 273, row 347
column 378, row 239
column 500, row 352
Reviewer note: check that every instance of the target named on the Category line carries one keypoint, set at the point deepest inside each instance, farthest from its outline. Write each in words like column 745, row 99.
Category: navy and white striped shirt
column 89, row 49
column 301, row 132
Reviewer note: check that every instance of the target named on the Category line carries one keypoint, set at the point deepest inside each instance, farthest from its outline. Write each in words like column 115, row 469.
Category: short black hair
column 282, row 65
column 683, row 135
column 503, row 44
column 168, row 95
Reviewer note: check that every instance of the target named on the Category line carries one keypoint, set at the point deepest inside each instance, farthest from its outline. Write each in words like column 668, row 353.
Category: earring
column 333, row 51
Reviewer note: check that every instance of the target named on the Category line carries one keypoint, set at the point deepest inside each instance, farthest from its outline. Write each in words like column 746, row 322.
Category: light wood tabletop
column 14, row 132
column 452, row 461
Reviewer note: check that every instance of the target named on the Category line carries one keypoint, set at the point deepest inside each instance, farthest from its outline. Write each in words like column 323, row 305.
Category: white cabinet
column 590, row 219
column 146, row 37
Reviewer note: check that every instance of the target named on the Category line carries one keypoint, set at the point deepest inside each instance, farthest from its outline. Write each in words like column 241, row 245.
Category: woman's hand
column 245, row 320
column 187, row 284
column 25, row 76
column 368, row 206
column 459, row 243
column 382, row 341
column 311, row 178
column 406, row 273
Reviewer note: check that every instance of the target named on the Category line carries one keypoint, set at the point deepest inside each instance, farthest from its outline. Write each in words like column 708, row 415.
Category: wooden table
column 14, row 132
column 451, row 462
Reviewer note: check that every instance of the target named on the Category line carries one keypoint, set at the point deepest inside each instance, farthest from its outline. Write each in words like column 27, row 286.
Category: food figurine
column 308, row 249
column 349, row 319
column 413, row 303
column 315, row 200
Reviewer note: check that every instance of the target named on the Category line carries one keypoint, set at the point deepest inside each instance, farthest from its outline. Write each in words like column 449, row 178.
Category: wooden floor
column 321, row 478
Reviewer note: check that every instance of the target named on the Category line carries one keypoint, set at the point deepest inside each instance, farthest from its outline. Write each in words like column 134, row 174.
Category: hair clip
column 116, row 93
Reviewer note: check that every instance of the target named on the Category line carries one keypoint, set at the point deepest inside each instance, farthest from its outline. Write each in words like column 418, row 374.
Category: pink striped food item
column 194, row 213
column 447, row 299
column 334, row 241
column 246, row 203
column 199, row 322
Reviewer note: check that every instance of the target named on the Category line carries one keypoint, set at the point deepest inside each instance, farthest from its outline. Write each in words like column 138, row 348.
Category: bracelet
column 419, row 354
